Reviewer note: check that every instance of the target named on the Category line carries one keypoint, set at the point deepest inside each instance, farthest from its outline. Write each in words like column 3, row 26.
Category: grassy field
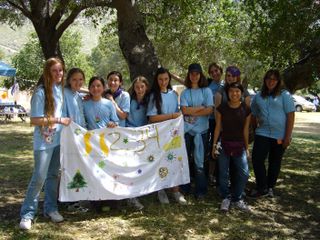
column 293, row 214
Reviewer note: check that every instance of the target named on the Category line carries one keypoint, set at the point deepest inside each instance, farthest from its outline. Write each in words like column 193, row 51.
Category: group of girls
column 55, row 104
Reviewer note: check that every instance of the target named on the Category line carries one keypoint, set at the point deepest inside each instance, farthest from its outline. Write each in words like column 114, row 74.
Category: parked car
column 302, row 104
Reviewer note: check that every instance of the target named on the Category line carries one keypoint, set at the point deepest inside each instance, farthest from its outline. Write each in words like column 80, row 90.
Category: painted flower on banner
column 77, row 131
column 171, row 157
column 174, row 132
column 163, row 172
column 150, row 158
column 101, row 164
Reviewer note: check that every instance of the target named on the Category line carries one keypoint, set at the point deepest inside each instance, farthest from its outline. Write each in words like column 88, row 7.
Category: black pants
column 264, row 147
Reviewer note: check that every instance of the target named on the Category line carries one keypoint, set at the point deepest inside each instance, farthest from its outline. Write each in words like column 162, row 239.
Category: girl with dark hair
column 46, row 116
column 163, row 105
column 215, row 72
column 232, row 121
column 99, row 112
column 73, row 105
column 117, row 95
column 273, row 114
column 196, row 105
column 232, row 75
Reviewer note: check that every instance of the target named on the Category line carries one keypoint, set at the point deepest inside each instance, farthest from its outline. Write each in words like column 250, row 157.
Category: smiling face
column 215, row 74
column 96, row 89
column 56, row 72
column 140, row 89
column 194, row 78
column 76, row 81
column 230, row 78
column 113, row 82
column 271, row 83
column 163, row 81
column 234, row 94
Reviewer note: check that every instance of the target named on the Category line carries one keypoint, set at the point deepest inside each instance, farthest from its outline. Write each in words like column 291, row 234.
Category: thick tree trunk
column 134, row 43
column 48, row 39
column 304, row 73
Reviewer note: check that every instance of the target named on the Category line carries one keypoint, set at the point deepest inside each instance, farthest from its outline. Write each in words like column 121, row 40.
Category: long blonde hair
column 46, row 81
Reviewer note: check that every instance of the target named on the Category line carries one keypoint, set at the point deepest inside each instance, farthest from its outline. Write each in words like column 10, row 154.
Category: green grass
column 293, row 214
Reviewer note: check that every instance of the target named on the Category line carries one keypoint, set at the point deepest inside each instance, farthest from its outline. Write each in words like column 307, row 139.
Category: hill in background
column 12, row 39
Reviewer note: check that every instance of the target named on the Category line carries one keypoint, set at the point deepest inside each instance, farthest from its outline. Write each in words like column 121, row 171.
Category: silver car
column 302, row 104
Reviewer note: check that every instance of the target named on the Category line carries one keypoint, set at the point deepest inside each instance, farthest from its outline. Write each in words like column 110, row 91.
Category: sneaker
column 256, row 194
column 163, row 198
column 135, row 203
column 270, row 193
column 225, row 205
column 178, row 196
column 242, row 206
column 54, row 216
column 25, row 224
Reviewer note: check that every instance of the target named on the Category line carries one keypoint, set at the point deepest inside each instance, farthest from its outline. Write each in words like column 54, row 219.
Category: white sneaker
column 163, row 198
column 225, row 205
column 135, row 203
column 242, row 206
column 270, row 193
column 25, row 224
column 55, row 216
column 178, row 196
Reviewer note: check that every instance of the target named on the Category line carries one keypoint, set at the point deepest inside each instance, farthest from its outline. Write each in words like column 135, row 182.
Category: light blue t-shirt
column 123, row 101
column 137, row 116
column 194, row 98
column 99, row 113
column 214, row 87
column 271, row 114
column 44, row 137
column 169, row 104
column 73, row 107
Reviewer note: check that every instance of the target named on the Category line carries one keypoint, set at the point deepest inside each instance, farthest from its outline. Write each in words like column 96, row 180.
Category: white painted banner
column 118, row 163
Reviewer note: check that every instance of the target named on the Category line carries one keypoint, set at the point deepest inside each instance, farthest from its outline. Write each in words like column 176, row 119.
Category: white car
column 301, row 104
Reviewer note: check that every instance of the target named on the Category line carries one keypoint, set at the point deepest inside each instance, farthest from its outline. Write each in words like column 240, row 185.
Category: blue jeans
column 263, row 148
column 241, row 175
column 45, row 172
column 198, row 165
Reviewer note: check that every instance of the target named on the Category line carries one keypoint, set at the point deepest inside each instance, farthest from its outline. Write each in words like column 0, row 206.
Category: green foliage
column 29, row 61
column 282, row 32
column 107, row 56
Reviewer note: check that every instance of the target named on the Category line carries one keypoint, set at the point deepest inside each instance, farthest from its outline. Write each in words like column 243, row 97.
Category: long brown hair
column 277, row 90
column 47, row 82
column 133, row 94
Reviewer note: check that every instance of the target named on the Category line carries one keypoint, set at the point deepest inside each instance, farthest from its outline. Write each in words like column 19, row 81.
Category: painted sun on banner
column 121, row 162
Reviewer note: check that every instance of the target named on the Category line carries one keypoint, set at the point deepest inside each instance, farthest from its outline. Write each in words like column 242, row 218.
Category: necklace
column 97, row 111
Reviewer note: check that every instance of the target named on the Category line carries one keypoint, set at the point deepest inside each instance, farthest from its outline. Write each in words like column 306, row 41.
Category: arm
column 289, row 128
column 163, row 117
column 246, row 133
column 197, row 111
column 44, row 121
column 217, row 102
column 247, row 100
column 216, row 133
column 121, row 114
column 177, row 78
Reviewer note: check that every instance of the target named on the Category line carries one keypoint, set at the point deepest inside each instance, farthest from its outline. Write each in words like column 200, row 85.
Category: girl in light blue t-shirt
column 196, row 103
column 98, row 111
column 73, row 105
column 163, row 105
column 117, row 95
column 139, row 93
column 46, row 116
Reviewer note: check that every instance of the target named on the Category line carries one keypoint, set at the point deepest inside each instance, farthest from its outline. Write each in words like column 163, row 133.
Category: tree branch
column 22, row 8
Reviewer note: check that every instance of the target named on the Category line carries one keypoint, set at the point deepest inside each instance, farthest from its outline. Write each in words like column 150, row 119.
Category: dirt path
column 306, row 122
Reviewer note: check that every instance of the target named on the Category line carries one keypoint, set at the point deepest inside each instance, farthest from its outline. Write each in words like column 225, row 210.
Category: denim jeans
column 45, row 172
column 264, row 147
column 241, row 174
column 198, row 165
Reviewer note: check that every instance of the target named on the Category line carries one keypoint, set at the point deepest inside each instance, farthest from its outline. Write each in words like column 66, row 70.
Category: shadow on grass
column 293, row 214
